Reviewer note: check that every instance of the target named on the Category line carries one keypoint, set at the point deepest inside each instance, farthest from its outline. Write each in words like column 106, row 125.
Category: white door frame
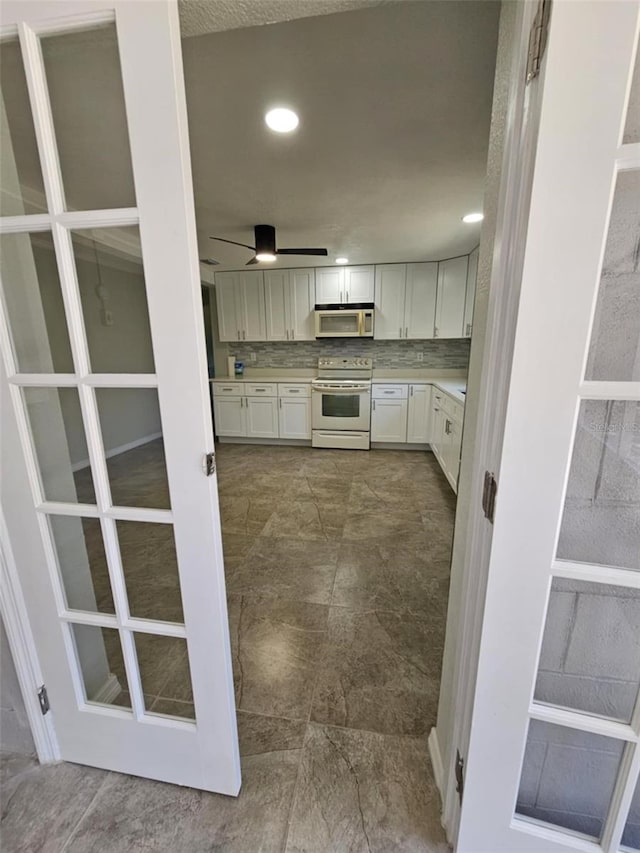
column 499, row 272
column 203, row 754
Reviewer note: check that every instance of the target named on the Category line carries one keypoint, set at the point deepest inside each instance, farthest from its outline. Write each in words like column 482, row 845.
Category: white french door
column 554, row 755
column 112, row 519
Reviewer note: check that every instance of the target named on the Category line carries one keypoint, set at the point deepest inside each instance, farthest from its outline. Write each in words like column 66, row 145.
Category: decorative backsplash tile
column 446, row 354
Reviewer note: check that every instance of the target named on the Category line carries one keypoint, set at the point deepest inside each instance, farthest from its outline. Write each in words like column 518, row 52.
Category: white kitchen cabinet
column 420, row 301
column 241, row 307
column 450, row 299
column 390, row 287
column 437, row 426
column 470, row 296
column 289, row 301
column 261, row 415
column 329, row 285
column 229, row 413
column 405, row 298
column 359, row 284
column 294, row 415
column 389, row 420
column 419, row 415
column 455, row 446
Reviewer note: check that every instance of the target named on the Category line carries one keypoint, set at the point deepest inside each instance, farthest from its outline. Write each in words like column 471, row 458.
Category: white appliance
column 345, row 321
column 341, row 403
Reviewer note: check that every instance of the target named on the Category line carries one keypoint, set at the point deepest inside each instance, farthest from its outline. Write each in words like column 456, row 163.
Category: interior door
column 554, row 755
column 113, row 520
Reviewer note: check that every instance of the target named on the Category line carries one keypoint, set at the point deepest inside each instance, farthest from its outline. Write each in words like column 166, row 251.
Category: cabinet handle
column 411, row 390
column 293, row 335
column 294, row 390
column 280, row 401
column 238, row 334
column 260, row 390
column 241, row 403
column 406, row 332
column 468, row 330
column 287, row 334
column 389, row 392
column 435, row 332
column 347, row 299
column 244, row 337
column 400, row 332
column 374, row 405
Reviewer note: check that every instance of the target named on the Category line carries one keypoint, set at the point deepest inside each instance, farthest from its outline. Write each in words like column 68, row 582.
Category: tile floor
column 337, row 577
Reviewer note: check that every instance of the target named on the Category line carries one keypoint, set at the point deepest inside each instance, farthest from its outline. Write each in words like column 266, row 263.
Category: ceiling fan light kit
column 265, row 247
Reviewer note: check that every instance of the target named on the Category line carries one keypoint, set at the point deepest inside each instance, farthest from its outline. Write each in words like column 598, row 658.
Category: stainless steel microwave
column 345, row 321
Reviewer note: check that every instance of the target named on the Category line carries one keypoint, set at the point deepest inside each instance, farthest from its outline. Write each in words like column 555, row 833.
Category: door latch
column 43, row 699
column 209, row 464
column 459, row 774
column 489, row 492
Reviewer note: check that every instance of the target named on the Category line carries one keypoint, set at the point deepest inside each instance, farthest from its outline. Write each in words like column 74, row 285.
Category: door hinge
column 43, row 699
column 538, row 39
column 209, row 464
column 459, row 774
column 489, row 495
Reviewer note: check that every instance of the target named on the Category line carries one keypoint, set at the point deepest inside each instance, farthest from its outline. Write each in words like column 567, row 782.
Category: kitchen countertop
column 454, row 387
column 277, row 377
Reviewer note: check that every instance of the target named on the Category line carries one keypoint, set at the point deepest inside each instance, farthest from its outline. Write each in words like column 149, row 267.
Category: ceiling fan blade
column 323, row 252
column 252, row 261
column 233, row 243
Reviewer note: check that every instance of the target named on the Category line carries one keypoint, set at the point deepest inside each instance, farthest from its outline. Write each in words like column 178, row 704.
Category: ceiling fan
column 265, row 247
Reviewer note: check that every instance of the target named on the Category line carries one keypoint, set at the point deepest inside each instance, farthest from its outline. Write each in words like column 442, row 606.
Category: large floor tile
column 380, row 672
column 287, row 568
column 259, row 734
column 44, row 806
column 245, row 514
column 133, row 815
column 306, row 519
column 360, row 792
column 382, row 523
column 277, row 646
column 392, row 575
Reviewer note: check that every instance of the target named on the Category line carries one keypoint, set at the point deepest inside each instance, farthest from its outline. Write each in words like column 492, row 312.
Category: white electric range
column 341, row 403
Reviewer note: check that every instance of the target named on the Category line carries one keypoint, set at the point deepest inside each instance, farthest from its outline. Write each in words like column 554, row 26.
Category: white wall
column 15, row 732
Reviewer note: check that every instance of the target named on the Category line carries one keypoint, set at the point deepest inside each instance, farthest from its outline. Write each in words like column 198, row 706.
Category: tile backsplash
column 446, row 354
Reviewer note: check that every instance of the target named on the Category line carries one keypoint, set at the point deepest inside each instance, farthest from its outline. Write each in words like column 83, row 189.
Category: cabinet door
column 329, row 285
column 262, row 417
column 452, row 289
column 276, row 297
column 226, row 286
column 229, row 415
column 390, row 295
column 455, row 445
column 437, row 429
column 472, row 275
column 301, row 321
column 389, row 420
column 253, row 315
column 419, row 416
column 294, row 415
column 420, row 301
column 359, row 284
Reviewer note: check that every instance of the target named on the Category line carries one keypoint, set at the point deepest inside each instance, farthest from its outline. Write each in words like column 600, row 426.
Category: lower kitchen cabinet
column 446, row 435
column 389, row 420
column 261, row 415
column 295, row 417
column 229, row 415
column 419, row 415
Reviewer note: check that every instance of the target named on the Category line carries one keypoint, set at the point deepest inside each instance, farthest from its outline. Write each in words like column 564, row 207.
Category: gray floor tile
column 276, row 647
column 309, row 520
column 359, row 791
column 380, row 672
column 287, row 568
column 259, row 734
column 43, row 807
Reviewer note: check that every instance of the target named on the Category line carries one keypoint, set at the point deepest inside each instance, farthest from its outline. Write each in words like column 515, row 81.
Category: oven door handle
column 339, row 389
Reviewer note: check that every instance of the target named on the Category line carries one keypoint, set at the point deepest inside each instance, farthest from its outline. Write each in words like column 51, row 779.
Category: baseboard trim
column 109, row 691
column 122, row 448
column 284, row 442
column 393, row 445
column 436, row 761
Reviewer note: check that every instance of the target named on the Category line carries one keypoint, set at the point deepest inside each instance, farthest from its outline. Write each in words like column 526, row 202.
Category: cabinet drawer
column 228, row 389
column 297, row 389
column 389, row 392
column 260, row 389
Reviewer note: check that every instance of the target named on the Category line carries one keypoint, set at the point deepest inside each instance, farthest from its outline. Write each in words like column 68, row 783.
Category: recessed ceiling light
column 342, row 260
column 473, row 217
column 265, row 256
column 282, row 120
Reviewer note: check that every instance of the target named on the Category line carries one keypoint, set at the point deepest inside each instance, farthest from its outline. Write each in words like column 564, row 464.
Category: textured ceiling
column 198, row 17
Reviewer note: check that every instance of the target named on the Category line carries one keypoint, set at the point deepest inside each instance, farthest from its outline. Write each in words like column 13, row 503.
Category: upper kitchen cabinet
column 241, row 307
column 344, row 285
column 450, row 299
column 289, row 303
column 472, row 276
column 405, row 298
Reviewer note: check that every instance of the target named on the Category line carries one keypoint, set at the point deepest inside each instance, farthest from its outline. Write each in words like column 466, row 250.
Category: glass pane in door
column 82, row 563
column 340, row 405
column 22, row 190
column 101, row 664
column 114, row 299
column 132, row 439
column 568, row 777
column 631, row 834
column 87, row 104
column 590, row 658
column 164, row 671
column 60, row 444
column 601, row 515
column 614, row 351
column 33, row 303
column 150, row 565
